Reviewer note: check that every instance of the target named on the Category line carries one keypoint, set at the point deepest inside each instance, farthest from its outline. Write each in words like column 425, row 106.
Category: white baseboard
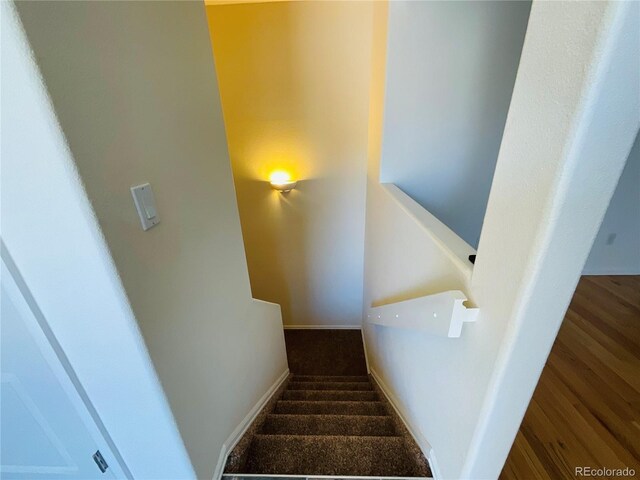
column 422, row 442
column 322, row 327
column 366, row 355
column 611, row 271
column 435, row 469
column 242, row 427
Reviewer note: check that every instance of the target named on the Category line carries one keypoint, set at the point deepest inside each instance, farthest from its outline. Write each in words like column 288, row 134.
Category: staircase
column 333, row 425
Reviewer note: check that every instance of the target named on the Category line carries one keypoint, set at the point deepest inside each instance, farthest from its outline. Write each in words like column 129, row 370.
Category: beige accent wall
column 294, row 82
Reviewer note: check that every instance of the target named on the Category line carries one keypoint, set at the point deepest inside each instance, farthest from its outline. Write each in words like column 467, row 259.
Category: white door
column 47, row 430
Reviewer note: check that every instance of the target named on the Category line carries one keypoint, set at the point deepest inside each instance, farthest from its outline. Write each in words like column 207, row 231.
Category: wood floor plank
column 626, row 370
column 607, row 378
column 624, row 287
column 621, row 319
column 618, row 347
column 622, row 313
column 525, row 464
column 591, row 433
column 586, row 408
column 626, row 338
column 605, row 407
column 555, row 447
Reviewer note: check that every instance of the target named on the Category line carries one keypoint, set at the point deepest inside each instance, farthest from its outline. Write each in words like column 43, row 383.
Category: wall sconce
column 282, row 182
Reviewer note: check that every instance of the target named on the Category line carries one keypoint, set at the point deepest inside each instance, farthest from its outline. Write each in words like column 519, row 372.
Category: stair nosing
column 324, row 391
column 328, row 477
column 351, row 401
column 328, row 415
column 329, row 376
column 314, row 437
column 293, row 380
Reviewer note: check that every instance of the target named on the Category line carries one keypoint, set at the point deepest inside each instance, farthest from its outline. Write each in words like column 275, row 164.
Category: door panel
column 46, row 430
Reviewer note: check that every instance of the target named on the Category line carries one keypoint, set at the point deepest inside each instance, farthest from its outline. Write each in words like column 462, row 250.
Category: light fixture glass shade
column 282, row 181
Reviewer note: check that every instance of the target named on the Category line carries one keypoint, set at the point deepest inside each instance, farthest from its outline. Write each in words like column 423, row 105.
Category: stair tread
column 296, row 385
column 324, row 415
column 330, row 455
column 329, row 419
column 330, row 378
column 325, row 390
column 328, row 424
column 339, row 401
column 330, row 407
column 314, row 438
column 337, row 395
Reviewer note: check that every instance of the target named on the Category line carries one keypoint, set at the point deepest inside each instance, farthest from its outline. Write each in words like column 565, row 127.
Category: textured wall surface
column 450, row 73
column 294, row 81
column 50, row 230
column 572, row 119
column 134, row 87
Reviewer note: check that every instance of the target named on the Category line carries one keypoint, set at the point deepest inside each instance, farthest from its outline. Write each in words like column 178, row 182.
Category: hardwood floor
column 586, row 408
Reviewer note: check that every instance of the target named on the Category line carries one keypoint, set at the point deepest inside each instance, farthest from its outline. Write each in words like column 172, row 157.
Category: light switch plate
column 145, row 205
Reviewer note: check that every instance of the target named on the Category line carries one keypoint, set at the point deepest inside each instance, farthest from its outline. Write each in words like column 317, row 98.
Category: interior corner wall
column 451, row 67
column 51, row 234
column 134, row 88
column 616, row 249
column 294, row 82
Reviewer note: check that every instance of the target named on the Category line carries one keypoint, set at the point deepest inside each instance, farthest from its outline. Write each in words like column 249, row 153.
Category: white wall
column 294, row 79
column 576, row 105
column 405, row 259
column 450, row 73
column 134, row 89
column 50, row 230
column 616, row 250
column 571, row 123
column 435, row 378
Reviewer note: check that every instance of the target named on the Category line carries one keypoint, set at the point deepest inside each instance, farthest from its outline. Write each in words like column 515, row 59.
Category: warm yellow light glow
column 282, row 181
column 278, row 153
column 280, row 176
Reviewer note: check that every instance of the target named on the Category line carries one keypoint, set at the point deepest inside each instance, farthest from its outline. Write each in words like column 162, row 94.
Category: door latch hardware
column 100, row 461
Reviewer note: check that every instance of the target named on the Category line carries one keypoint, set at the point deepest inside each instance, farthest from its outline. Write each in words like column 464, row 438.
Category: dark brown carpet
column 323, row 424
column 325, row 352
column 321, row 407
column 329, row 425
column 351, row 386
column 335, row 395
column 329, row 455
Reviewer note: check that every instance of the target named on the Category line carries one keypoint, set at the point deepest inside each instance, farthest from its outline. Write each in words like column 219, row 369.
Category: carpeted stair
column 329, row 418
column 328, row 425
